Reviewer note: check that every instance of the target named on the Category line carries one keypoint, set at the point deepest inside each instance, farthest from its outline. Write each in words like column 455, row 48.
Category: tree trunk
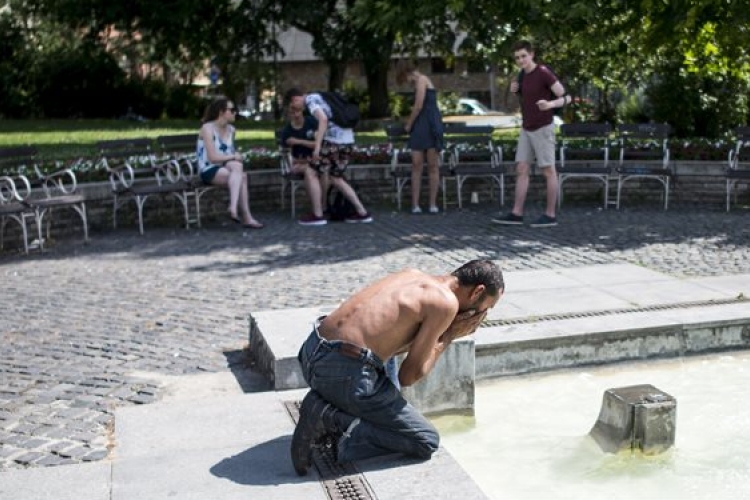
column 336, row 72
column 377, row 89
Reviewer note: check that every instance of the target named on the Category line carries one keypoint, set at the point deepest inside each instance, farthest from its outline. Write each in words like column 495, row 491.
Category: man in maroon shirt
column 537, row 139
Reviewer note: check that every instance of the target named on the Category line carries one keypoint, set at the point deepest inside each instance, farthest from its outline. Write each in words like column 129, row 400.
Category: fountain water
column 529, row 436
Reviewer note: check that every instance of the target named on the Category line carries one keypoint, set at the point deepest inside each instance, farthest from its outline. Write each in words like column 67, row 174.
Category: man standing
column 537, row 138
column 331, row 148
column 342, row 360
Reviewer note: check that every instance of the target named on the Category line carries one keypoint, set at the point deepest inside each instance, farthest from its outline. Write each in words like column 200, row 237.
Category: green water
column 529, row 437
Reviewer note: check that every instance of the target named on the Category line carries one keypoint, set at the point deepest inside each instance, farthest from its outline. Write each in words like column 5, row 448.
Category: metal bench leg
column 293, row 198
column 459, row 186
column 445, row 196
column 605, row 180
column 139, row 203
column 729, row 191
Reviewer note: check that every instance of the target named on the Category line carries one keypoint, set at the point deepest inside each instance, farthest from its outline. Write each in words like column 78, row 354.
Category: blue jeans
column 360, row 387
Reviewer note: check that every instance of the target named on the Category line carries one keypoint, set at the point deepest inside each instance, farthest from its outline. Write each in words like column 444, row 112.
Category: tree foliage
column 604, row 50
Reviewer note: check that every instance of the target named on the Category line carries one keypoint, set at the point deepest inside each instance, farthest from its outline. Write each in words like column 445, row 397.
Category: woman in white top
column 220, row 164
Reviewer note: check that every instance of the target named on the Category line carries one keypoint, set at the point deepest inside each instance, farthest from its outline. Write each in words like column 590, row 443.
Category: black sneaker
column 510, row 219
column 545, row 221
column 310, row 429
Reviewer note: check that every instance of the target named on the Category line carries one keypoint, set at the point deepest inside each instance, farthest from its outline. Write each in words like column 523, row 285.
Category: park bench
column 289, row 179
column 401, row 163
column 182, row 150
column 584, row 154
column 738, row 168
column 472, row 154
column 30, row 194
column 136, row 175
column 644, row 154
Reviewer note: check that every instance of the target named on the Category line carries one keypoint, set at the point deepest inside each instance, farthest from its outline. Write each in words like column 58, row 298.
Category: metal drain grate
column 340, row 481
column 607, row 312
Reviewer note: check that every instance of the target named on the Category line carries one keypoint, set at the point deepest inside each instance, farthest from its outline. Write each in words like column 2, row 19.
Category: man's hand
column 464, row 324
column 544, row 105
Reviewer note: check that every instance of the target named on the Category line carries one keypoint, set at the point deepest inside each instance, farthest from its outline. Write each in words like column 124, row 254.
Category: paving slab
column 66, row 482
column 237, row 446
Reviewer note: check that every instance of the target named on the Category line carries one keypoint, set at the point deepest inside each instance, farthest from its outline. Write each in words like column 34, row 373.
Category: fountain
column 637, row 417
column 530, row 437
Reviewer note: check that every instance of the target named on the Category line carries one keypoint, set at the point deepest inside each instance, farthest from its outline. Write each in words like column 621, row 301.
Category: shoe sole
column 508, row 222
column 544, row 225
column 320, row 223
column 359, row 221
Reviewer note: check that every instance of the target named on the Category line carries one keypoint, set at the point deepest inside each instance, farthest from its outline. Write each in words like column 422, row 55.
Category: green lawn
column 69, row 138
column 62, row 139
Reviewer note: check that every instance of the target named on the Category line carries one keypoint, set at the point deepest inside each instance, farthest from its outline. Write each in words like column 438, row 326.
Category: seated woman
column 218, row 162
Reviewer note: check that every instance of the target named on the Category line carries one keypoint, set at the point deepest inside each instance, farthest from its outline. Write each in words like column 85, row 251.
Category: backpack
column 337, row 206
column 519, row 79
column 344, row 113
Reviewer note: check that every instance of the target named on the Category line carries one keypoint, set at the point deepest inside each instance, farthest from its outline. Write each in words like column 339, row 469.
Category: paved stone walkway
column 84, row 329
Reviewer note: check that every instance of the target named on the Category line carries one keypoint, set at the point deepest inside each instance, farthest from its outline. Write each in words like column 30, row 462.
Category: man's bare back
column 406, row 311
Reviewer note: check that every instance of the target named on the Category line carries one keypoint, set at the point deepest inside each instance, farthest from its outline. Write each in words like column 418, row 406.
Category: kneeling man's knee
column 428, row 441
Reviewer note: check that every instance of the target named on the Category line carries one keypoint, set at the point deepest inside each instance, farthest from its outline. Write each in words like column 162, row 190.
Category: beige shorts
column 538, row 145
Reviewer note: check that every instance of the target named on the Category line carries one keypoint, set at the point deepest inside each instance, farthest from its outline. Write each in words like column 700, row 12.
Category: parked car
column 476, row 114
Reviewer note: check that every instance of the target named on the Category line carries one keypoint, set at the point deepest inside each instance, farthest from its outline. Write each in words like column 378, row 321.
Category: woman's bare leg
column 348, row 193
column 417, row 164
column 433, row 166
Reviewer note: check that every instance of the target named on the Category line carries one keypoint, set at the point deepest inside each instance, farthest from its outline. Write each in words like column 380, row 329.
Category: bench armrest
column 9, row 188
column 62, row 181
column 168, row 171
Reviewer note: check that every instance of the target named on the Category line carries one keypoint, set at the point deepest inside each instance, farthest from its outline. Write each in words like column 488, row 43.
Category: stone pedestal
column 638, row 417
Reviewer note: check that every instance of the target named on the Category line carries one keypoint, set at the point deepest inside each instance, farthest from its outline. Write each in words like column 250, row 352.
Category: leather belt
column 349, row 350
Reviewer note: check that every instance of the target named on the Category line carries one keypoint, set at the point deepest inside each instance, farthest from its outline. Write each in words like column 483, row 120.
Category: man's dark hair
column 481, row 272
column 522, row 45
column 292, row 92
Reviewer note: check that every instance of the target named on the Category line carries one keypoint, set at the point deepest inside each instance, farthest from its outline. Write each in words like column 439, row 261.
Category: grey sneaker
column 510, row 219
column 545, row 221
column 310, row 428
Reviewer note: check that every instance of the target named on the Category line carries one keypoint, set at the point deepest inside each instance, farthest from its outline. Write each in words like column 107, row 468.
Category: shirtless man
column 351, row 397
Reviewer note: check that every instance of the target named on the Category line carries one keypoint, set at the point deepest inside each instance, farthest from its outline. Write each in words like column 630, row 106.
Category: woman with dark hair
column 220, row 164
column 425, row 128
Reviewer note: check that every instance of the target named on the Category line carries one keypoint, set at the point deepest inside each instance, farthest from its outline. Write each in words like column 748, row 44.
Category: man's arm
column 562, row 98
column 321, row 132
column 438, row 311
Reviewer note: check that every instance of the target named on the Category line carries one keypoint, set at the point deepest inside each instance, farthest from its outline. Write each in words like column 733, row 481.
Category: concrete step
column 551, row 319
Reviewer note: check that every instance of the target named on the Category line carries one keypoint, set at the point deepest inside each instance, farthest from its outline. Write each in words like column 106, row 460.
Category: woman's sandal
column 254, row 225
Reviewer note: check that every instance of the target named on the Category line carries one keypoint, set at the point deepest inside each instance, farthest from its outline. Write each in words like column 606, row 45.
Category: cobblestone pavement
column 83, row 327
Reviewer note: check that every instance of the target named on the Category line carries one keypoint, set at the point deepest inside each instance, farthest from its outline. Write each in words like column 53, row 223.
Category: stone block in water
column 638, row 417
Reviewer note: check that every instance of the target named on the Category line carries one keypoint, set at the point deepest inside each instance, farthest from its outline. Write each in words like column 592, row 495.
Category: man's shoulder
column 547, row 72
